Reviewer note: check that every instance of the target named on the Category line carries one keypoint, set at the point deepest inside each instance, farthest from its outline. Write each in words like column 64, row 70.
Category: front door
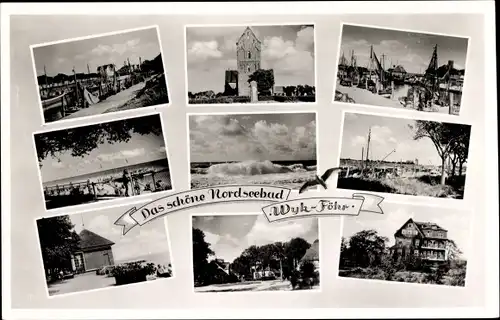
column 79, row 265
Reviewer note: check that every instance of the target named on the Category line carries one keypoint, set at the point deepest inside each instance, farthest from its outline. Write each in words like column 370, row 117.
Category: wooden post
column 154, row 181
column 451, row 102
column 76, row 88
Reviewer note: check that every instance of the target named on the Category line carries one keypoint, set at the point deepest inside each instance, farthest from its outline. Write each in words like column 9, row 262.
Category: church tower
column 248, row 49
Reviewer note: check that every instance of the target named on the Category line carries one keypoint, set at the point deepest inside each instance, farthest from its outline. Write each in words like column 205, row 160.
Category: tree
column 201, row 253
column 300, row 90
column 367, row 248
column 241, row 267
column 308, row 273
column 82, row 140
column 454, row 251
column 58, row 241
column 308, row 90
column 289, row 90
column 264, row 79
column 443, row 136
column 461, row 146
column 253, row 255
column 295, row 250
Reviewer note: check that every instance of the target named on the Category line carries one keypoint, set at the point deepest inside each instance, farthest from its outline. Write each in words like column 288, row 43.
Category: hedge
column 245, row 99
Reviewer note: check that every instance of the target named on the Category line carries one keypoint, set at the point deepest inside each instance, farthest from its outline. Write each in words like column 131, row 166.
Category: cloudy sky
column 230, row 235
column 139, row 149
column 412, row 50
column 395, row 215
column 241, row 137
column 387, row 134
column 288, row 49
column 62, row 57
column 147, row 240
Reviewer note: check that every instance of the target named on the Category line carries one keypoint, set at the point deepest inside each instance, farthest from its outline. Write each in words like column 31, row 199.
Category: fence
column 140, row 183
column 61, row 99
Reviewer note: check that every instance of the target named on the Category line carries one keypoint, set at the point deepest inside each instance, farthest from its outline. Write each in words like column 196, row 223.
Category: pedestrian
column 137, row 187
column 126, row 180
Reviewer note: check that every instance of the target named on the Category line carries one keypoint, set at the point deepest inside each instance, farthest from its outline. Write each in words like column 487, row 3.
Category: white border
column 39, row 249
column 203, row 293
column 490, row 237
column 189, row 114
column 250, row 104
column 388, row 108
column 398, row 197
column 107, row 34
column 387, row 215
column 119, row 201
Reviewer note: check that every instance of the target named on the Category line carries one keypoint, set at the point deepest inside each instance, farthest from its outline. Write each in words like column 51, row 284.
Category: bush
column 266, row 98
column 132, row 272
column 294, row 278
column 308, row 275
column 221, row 100
column 284, row 99
column 306, row 98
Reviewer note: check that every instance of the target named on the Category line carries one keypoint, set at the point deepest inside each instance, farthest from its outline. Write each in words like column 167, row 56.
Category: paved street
column 269, row 285
column 111, row 102
column 81, row 282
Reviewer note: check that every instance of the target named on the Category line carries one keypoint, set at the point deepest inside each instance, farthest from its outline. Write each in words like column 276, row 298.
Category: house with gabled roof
column 424, row 240
column 94, row 252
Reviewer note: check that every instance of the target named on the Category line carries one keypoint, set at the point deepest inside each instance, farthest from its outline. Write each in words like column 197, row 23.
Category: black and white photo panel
column 253, row 148
column 87, row 251
column 409, row 244
column 404, row 156
column 99, row 74
column 101, row 162
column 244, row 252
column 251, row 64
column 401, row 69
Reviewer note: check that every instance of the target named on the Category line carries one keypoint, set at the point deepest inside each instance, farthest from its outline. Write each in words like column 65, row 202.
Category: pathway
column 247, row 286
column 81, row 282
column 111, row 102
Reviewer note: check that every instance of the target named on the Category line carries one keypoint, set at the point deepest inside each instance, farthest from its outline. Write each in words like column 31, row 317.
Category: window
column 249, row 55
column 417, row 242
column 248, row 69
column 415, row 253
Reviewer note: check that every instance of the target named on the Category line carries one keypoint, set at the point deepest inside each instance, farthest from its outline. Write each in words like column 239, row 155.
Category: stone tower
column 248, row 49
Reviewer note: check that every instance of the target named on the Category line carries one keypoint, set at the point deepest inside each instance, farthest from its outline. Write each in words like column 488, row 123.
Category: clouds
column 230, row 235
column 96, row 51
column 202, row 51
column 150, row 239
column 412, row 50
column 123, row 154
column 260, row 137
column 288, row 50
column 387, row 134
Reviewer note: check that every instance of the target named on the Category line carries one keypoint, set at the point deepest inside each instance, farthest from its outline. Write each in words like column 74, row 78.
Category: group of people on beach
column 125, row 185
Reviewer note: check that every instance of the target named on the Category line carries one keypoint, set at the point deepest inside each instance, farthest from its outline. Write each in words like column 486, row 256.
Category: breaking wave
column 252, row 168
